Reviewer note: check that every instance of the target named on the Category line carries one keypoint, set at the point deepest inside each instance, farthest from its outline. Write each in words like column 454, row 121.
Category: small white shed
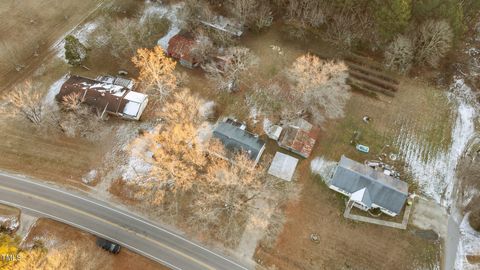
column 283, row 166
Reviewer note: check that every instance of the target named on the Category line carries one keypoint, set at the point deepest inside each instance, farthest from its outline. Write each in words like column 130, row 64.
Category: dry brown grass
column 58, row 237
column 41, row 23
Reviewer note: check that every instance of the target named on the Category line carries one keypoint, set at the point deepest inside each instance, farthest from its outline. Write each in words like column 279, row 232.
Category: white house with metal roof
column 368, row 188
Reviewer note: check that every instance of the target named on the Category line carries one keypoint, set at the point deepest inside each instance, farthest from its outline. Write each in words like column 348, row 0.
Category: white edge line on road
column 113, row 224
column 93, row 232
column 123, row 212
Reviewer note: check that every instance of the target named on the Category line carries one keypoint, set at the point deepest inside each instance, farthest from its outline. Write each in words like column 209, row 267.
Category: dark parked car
column 108, row 245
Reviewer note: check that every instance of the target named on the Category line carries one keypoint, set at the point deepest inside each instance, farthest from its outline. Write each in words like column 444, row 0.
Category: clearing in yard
column 417, row 107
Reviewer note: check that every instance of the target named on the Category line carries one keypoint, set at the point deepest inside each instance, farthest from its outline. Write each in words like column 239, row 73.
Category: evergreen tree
column 392, row 17
column 75, row 51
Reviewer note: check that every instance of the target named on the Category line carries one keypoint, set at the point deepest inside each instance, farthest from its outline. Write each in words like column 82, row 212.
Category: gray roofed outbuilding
column 283, row 166
column 236, row 140
column 383, row 190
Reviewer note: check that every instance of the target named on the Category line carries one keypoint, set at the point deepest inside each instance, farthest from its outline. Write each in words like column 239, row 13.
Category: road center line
column 110, row 223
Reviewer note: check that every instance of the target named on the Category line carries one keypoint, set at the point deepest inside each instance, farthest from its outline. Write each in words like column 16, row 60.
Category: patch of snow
column 267, row 125
column 53, row 91
column 435, row 173
column 87, row 179
column 136, row 167
column 204, row 133
column 322, row 167
column 469, row 245
column 207, row 109
column 48, row 241
column 26, row 223
column 254, row 114
column 140, row 159
column 153, row 9
column 171, row 14
column 9, row 223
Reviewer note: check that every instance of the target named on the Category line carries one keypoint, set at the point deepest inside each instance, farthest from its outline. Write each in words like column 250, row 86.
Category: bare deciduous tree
column 244, row 9
column 474, row 219
column 78, row 119
column 252, row 13
column 188, row 179
column 399, row 54
column 433, row 42
column 320, row 86
column 125, row 34
column 193, row 12
column 72, row 101
column 307, row 11
column 203, row 48
column 348, row 26
column 27, row 100
column 177, row 154
column 228, row 73
column 272, row 101
column 156, row 70
column 264, row 16
column 229, row 190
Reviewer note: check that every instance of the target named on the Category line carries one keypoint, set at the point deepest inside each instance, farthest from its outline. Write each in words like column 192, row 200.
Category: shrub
column 75, row 51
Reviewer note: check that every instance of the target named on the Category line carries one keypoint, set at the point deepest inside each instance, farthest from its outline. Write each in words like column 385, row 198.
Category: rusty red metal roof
column 299, row 139
column 97, row 94
column 180, row 47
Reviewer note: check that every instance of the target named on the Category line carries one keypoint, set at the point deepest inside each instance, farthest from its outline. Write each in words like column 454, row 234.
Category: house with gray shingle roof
column 368, row 188
column 237, row 139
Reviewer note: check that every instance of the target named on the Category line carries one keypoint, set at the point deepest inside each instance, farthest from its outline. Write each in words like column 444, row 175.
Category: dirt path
column 41, row 24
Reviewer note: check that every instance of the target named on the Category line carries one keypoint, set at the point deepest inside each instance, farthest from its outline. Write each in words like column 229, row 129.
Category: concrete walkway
column 396, row 225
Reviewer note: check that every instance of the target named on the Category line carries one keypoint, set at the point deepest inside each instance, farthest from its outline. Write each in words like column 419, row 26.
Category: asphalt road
column 102, row 219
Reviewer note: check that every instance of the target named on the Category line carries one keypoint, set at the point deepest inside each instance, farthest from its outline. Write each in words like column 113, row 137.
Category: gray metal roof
column 283, row 166
column 367, row 200
column 383, row 190
column 237, row 140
